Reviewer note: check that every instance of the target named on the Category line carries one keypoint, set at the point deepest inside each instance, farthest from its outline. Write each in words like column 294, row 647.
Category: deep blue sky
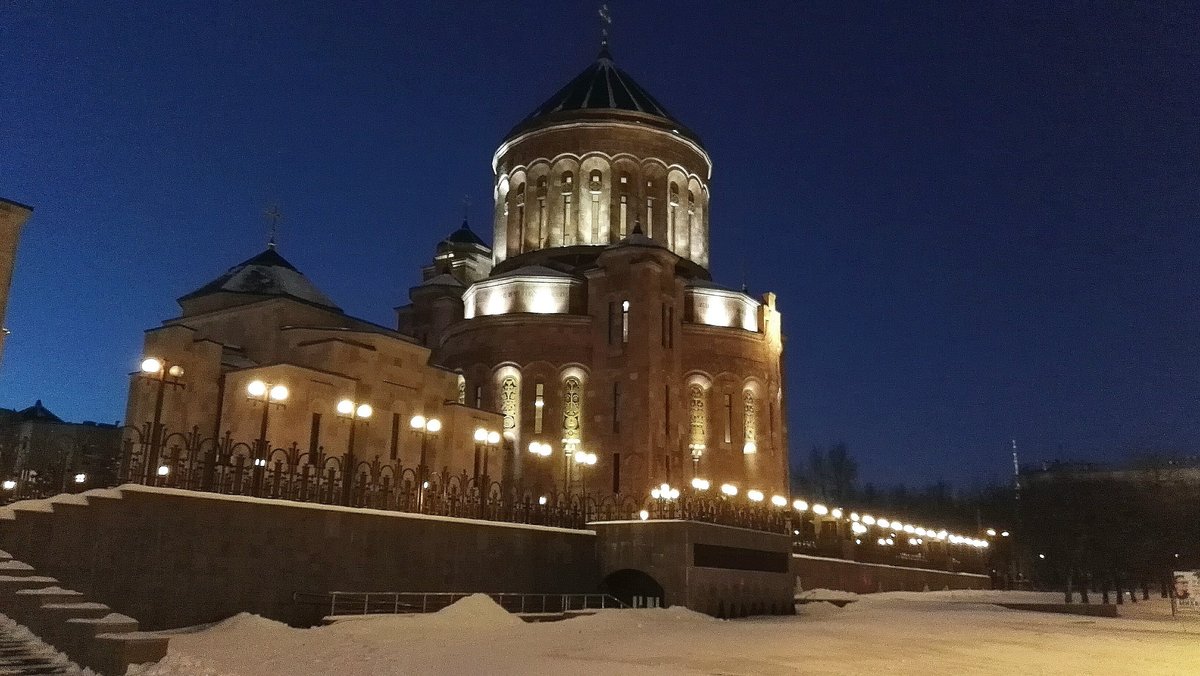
column 982, row 222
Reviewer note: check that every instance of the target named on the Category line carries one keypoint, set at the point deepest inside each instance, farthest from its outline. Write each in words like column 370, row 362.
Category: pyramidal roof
column 603, row 86
column 38, row 412
column 464, row 235
column 267, row 274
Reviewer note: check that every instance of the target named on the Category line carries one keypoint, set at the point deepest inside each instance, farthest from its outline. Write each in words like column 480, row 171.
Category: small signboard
column 1185, row 591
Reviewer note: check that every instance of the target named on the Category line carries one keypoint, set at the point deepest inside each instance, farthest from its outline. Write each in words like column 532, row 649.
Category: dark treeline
column 1108, row 530
column 831, row 475
column 1080, row 528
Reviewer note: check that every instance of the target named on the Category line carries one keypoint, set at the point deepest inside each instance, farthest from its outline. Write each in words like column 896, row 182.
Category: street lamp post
column 158, row 370
column 424, row 427
column 569, row 446
column 354, row 412
column 585, row 460
column 542, row 450
column 270, row 395
column 484, row 441
column 697, row 451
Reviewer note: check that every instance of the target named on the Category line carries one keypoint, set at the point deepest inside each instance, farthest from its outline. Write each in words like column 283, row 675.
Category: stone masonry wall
column 175, row 558
column 815, row 572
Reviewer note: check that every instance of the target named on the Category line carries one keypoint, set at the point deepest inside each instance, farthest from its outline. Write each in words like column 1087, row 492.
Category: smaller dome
column 464, row 235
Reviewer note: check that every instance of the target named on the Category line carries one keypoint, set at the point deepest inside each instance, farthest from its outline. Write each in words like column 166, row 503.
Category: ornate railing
column 228, row 467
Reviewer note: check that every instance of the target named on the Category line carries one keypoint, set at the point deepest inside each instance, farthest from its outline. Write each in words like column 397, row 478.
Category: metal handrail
column 388, row 603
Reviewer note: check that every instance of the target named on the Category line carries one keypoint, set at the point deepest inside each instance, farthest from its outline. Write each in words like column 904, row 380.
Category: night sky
column 983, row 223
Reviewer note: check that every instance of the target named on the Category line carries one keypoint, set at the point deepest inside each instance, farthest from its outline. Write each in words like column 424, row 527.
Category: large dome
column 602, row 90
column 599, row 157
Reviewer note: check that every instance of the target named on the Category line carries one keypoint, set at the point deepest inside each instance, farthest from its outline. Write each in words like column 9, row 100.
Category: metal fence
column 340, row 603
column 225, row 466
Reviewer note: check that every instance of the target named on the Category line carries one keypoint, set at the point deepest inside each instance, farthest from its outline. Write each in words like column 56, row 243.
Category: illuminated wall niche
column 537, row 294
column 717, row 307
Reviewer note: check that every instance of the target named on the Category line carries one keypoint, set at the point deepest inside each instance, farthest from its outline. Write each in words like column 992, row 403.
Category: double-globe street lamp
column 571, row 455
column 425, row 427
column 485, row 441
column 158, row 370
column 353, row 411
column 269, row 394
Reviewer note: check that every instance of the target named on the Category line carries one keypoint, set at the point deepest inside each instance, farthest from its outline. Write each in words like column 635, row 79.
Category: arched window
column 595, row 186
column 672, row 207
column 572, row 397
column 539, row 403
column 750, row 422
column 462, row 390
column 567, row 186
column 624, row 321
column 541, row 225
column 697, row 416
column 623, row 217
column 519, row 198
column 649, row 208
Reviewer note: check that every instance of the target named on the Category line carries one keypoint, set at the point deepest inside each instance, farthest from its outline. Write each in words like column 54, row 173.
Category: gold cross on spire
column 273, row 217
column 605, row 24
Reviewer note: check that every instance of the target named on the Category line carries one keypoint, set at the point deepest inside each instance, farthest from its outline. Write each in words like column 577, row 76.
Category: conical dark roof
column 602, row 86
column 464, row 235
column 267, row 274
column 38, row 412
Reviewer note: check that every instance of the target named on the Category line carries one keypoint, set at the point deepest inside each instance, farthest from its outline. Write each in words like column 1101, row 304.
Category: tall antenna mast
column 1016, row 470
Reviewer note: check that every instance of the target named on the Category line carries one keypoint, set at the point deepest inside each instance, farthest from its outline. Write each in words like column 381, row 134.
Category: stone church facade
column 592, row 324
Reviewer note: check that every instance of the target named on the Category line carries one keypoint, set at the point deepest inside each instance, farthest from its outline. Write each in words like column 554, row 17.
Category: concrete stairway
column 88, row 633
column 22, row 653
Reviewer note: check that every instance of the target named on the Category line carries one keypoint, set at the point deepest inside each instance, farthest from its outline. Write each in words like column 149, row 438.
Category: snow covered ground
column 892, row 633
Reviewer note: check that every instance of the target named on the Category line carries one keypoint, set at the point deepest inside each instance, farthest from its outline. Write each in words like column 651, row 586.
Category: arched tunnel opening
column 634, row 588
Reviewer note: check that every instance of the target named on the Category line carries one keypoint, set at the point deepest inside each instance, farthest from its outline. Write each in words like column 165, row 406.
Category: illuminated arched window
column 624, row 321
column 595, row 186
column 623, row 226
column 697, row 415
column 541, row 204
column 672, row 207
column 519, row 199
column 572, row 397
column 462, row 390
column 509, row 401
column 567, row 188
column 750, row 422
column 649, row 208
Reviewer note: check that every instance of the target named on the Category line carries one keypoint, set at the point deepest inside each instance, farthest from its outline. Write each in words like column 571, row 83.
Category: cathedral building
column 589, row 336
column 592, row 324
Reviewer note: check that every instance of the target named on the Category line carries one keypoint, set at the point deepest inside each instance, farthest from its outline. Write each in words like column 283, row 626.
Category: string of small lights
column 860, row 524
